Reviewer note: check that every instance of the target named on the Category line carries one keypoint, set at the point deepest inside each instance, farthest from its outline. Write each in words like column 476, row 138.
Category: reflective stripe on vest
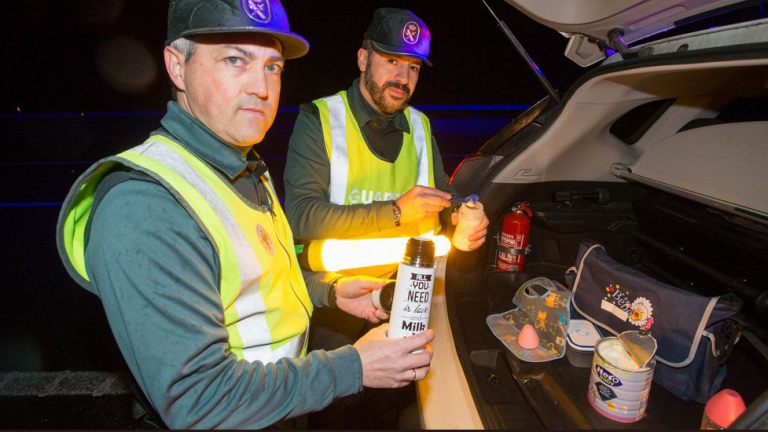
column 341, row 131
column 259, row 272
column 340, row 160
column 420, row 138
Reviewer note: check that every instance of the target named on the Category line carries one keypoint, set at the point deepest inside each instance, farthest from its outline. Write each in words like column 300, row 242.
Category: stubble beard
column 380, row 99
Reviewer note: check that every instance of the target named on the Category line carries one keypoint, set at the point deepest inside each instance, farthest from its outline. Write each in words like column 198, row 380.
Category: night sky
column 106, row 55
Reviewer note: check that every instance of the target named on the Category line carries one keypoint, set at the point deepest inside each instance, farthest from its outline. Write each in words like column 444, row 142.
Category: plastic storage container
column 581, row 340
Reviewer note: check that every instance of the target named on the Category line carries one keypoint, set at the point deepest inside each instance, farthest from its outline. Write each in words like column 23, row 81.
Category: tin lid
column 582, row 335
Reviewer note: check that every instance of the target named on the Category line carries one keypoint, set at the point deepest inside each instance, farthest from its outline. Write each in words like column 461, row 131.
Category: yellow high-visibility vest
column 265, row 300
column 359, row 176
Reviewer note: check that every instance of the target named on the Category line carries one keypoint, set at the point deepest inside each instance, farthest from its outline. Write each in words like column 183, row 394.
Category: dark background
column 89, row 55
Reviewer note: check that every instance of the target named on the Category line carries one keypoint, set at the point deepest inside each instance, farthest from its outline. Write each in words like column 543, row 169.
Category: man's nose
column 402, row 73
column 257, row 84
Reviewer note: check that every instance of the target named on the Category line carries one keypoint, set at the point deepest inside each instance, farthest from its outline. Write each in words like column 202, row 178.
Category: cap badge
column 411, row 32
column 258, row 10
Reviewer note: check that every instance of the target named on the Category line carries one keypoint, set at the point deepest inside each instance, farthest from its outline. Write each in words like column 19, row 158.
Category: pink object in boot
column 528, row 338
column 722, row 409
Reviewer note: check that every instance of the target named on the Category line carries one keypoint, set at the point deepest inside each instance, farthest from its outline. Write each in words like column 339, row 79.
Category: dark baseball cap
column 193, row 17
column 399, row 32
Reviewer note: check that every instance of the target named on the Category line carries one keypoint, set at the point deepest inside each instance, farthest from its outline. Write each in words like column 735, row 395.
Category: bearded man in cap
column 186, row 245
column 363, row 163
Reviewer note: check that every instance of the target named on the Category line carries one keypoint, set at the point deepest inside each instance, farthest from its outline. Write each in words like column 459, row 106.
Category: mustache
column 404, row 87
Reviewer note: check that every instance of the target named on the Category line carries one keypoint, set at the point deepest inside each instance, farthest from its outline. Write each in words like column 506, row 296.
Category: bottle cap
column 420, row 252
column 725, row 407
column 383, row 298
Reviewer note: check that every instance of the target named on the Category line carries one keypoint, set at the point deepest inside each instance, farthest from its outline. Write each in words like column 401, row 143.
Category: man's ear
column 362, row 59
column 174, row 65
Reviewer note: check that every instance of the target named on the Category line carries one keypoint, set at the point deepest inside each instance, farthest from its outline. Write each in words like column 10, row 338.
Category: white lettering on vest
column 368, row 196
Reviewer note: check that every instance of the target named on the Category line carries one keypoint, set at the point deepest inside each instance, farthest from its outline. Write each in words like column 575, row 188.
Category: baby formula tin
column 618, row 387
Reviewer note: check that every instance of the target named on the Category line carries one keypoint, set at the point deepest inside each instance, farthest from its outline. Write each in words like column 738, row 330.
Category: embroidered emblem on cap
column 411, row 32
column 265, row 240
column 258, row 10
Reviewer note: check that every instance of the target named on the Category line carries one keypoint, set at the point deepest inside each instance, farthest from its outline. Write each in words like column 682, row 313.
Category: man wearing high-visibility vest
column 363, row 163
column 185, row 243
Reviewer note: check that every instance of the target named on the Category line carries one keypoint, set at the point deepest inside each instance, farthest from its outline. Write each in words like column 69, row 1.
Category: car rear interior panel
column 673, row 215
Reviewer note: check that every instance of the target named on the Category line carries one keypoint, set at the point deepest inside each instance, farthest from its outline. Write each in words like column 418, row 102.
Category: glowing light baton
column 334, row 255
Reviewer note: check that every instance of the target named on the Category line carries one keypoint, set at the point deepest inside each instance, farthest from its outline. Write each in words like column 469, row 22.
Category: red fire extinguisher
column 513, row 241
